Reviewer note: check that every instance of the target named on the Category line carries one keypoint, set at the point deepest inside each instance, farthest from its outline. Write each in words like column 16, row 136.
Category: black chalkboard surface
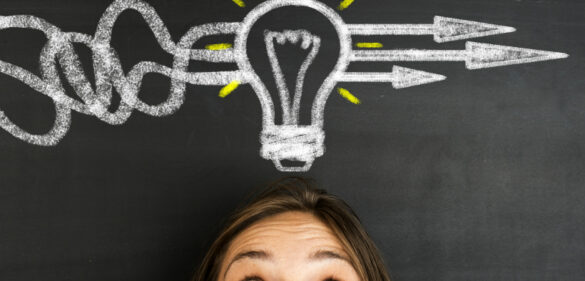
column 131, row 128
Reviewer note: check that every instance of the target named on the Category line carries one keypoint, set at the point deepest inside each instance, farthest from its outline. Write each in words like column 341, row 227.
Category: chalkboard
column 130, row 129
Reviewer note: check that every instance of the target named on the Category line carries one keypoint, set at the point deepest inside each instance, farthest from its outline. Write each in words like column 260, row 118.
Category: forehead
column 286, row 234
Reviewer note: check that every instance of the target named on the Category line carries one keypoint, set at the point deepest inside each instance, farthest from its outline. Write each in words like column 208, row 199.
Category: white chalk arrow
column 475, row 56
column 400, row 77
column 443, row 29
column 483, row 55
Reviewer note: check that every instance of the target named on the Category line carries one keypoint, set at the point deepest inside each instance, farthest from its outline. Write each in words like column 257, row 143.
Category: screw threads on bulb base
column 292, row 143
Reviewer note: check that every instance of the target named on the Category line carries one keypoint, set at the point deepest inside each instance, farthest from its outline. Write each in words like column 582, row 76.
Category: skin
column 292, row 246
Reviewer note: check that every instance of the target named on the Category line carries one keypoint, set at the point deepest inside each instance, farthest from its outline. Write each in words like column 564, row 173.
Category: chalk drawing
column 348, row 96
column 290, row 114
column 108, row 70
column 228, row 89
column 220, row 46
column 369, row 45
column 240, row 3
column 289, row 141
column 475, row 56
column 443, row 29
column 400, row 77
column 345, row 4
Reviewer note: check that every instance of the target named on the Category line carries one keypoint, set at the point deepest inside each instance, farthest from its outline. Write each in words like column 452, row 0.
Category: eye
column 252, row 278
column 330, row 278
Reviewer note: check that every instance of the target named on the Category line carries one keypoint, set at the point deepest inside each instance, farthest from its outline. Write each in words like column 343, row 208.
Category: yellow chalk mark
column 221, row 46
column 369, row 45
column 240, row 3
column 348, row 96
column 229, row 88
column 344, row 4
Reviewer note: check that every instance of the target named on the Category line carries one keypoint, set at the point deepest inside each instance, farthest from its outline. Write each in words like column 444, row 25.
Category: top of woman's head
column 293, row 225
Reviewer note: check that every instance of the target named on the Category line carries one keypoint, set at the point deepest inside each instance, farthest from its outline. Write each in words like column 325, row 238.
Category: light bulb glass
column 289, row 139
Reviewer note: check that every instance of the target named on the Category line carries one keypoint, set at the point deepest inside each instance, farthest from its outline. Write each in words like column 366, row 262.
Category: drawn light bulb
column 291, row 140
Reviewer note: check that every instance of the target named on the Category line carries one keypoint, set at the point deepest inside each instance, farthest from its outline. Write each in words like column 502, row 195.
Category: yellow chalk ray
column 348, row 96
column 220, row 46
column 369, row 45
column 229, row 88
column 344, row 4
column 240, row 3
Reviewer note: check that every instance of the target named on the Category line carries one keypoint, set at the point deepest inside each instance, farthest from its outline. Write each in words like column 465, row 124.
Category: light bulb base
column 292, row 143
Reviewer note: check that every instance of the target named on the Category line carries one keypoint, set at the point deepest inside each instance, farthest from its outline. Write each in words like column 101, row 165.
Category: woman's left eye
column 330, row 279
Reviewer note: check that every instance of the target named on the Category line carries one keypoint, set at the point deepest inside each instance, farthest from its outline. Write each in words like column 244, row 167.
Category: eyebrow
column 266, row 256
column 326, row 254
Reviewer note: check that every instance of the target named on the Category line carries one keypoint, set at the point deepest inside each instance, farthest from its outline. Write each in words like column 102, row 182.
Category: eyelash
column 257, row 278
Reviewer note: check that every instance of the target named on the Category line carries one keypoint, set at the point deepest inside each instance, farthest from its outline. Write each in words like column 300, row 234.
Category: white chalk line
column 443, row 29
column 305, row 40
column 108, row 70
column 476, row 55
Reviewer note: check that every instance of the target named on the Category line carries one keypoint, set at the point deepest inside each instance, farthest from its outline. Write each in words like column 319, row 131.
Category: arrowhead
column 406, row 77
column 482, row 55
column 449, row 29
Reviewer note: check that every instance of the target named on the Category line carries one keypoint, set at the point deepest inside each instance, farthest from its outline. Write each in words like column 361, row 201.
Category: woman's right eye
column 252, row 278
column 257, row 278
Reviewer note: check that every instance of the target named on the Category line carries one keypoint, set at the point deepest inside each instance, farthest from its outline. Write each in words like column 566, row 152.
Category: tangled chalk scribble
column 109, row 75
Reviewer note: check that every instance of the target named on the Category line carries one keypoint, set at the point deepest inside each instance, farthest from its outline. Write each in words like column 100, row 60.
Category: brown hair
column 298, row 194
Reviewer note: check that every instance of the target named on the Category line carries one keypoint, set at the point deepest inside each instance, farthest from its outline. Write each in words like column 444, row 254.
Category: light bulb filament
column 306, row 40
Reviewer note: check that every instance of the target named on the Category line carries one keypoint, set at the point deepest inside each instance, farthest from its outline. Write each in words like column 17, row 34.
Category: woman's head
column 293, row 231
